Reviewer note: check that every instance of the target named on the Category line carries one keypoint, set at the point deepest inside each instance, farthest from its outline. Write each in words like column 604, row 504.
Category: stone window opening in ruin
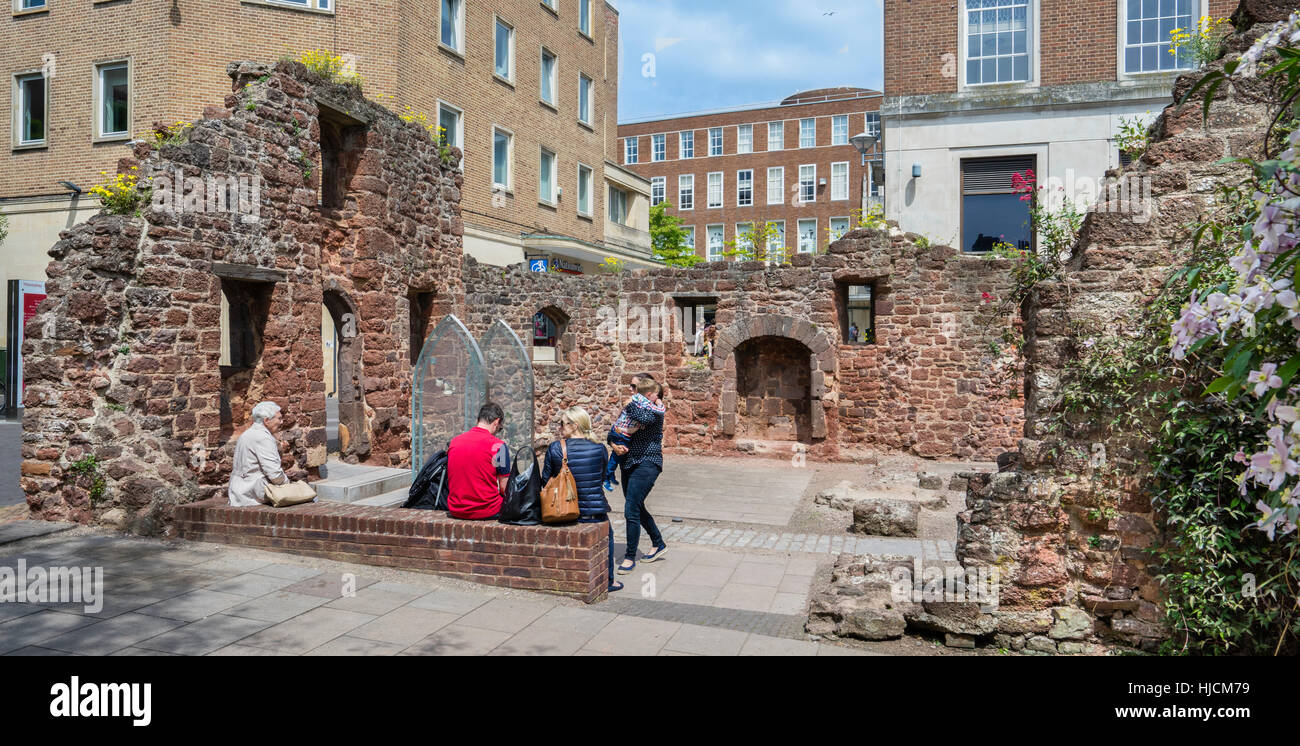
column 773, row 390
column 857, row 303
column 345, row 408
column 342, row 140
column 695, row 317
column 549, row 326
column 245, row 307
column 421, row 313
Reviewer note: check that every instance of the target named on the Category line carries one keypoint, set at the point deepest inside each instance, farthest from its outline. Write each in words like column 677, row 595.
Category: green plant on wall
column 88, row 468
column 1132, row 136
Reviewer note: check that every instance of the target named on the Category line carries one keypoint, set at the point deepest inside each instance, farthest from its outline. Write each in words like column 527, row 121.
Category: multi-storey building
column 977, row 90
column 724, row 173
column 527, row 88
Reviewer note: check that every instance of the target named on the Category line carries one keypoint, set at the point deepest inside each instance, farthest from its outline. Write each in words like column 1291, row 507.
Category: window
column 631, row 146
column 30, row 109
column 549, row 3
column 744, row 138
column 658, row 189
column 776, row 185
column 689, row 241
column 807, row 133
column 546, row 177
column 858, row 317
column 745, row 188
column 873, row 123
column 114, row 94
column 686, row 144
column 549, row 326
column 839, row 226
column 840, row 180
column 991, row 211
column 584, row 99
column 694, row 314
column 502, row 153
column 713, row 241
column 584, row 190
column 314, row 4
column 658, row 147
column 775, row 135
column 745, row 236
column 715, row 141
column 997, row 41
column 548, row 76
column 840, row 129
column 504, row 54
column 1147, row 27
column 808, row 183
column 453, row 25
column 776, row 241
column 450, row 119
column 715, row 190
column 808, row 236
column 686, row 192
column 584, row 16
column 30, row 4
column 617, row 205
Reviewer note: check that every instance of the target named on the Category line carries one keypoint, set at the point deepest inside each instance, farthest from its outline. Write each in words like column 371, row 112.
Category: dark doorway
column 774, row 389
column 353, row 433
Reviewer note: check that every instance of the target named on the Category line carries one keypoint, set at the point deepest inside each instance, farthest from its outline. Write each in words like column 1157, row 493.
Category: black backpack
column 429, row 490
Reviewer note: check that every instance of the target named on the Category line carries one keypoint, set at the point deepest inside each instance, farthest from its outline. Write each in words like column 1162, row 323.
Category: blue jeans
column 615, row 460
column 637, row 483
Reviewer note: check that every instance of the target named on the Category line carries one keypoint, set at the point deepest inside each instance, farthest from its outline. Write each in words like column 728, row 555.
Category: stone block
column 885, row 517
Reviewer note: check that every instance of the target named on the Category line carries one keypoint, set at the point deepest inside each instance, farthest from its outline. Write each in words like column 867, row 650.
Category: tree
column 668, row 239
column 753, row 244
column 4, row 228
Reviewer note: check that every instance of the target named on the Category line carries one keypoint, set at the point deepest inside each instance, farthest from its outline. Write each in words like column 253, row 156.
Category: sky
column 710, row 54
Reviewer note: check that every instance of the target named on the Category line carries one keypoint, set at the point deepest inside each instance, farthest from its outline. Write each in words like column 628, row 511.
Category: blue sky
column 712, row 54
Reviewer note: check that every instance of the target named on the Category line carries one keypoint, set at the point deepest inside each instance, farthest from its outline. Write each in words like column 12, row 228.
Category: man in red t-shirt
column 478, row 467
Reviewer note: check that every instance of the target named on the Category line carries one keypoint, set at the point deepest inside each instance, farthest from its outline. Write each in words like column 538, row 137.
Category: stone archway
column 354, row 433
column 752, row 337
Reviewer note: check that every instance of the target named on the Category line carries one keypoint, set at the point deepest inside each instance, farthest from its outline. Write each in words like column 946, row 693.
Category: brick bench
column 571, row 559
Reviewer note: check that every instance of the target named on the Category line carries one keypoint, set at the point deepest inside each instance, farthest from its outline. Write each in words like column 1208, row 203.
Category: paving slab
column 192, row 606
column 102, row 638
column 451, row 601
column 19, row 530
column 308, row 631
column 458, row 639
column 32, row 629
column 506, row 614
column 697, row 640
column 276, row 607
column 768, row 646
column 347, row 645
column 404, row 626
column 629, row 635
column 329, row 584
column 370, row 601
column 204, row 636
column 250, row 584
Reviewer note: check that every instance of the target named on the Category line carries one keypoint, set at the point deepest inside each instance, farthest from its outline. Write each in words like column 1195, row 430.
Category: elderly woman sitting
column 257, row 458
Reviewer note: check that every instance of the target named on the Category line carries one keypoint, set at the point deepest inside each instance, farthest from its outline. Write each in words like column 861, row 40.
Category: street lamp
column 864, row 142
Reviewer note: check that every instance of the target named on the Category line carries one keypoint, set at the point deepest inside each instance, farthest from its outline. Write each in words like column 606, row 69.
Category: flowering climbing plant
column 1251, row 320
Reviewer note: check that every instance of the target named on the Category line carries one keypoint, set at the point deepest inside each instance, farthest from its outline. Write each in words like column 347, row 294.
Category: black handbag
column 522, row 505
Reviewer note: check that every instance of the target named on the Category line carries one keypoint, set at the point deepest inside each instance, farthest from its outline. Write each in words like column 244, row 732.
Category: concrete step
column 350, row 483
column 394, row 499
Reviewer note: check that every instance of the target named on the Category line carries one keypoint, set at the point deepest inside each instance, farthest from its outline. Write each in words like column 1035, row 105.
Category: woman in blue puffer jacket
column 587, row 459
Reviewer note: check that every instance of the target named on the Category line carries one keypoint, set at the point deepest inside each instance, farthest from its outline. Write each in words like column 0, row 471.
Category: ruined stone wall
column 928, row 385
column 1041, row 524
column 124, row 356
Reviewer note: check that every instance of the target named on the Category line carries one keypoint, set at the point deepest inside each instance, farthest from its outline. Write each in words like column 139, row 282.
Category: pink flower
column 1264, row 378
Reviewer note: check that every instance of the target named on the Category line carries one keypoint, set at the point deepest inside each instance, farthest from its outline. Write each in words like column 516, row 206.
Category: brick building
column 724, row 172
column 537, row 81
column 978, row 89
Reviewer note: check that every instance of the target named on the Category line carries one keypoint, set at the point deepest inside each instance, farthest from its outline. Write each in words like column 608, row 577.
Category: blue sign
column 537, row 265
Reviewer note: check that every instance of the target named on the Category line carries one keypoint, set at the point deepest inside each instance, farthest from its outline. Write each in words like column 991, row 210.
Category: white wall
column 34, row 227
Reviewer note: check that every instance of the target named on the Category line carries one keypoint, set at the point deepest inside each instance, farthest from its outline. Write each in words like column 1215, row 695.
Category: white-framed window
column 745, row 236
column 715, row 141
column 21, row 5
column 584, row 190
column 1146, row 34
column 503, row 150
column 617, row 205
column 311, row 4
column 998, row 37
column 503, row 52
column 840, row 129
column 715, row 190
column 452, row 25
column 744, row 138
column 584, row 17
column 714, row 238
column 776, row 240
column 658, row 148
column 31, row 109
column 839, row 226
column 452, row 121
column 808, row 183
column 546, row 177
column 686, row 144
column 808, row 133
column 807, row 235
column 776, row 185
column 690, row 237
column 631, row 148
column 776, row 135
column 840, row 180
column 548, row 69
column 873, row 123
column 686, row 192
column 658, row 190
column 113, row 99
column 585, row 89
column 549, row 4
column 745, row 188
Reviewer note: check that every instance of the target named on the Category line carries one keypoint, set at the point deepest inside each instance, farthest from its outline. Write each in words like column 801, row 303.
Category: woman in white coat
column 257, row 458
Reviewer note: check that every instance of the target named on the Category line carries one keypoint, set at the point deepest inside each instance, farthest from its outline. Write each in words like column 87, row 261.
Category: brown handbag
column 560, row 495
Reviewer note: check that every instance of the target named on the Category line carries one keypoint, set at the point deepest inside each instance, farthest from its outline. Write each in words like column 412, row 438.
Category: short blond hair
column 581, row 421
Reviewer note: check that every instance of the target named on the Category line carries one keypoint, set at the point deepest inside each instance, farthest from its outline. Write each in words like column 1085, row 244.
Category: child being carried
column 621, row 433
